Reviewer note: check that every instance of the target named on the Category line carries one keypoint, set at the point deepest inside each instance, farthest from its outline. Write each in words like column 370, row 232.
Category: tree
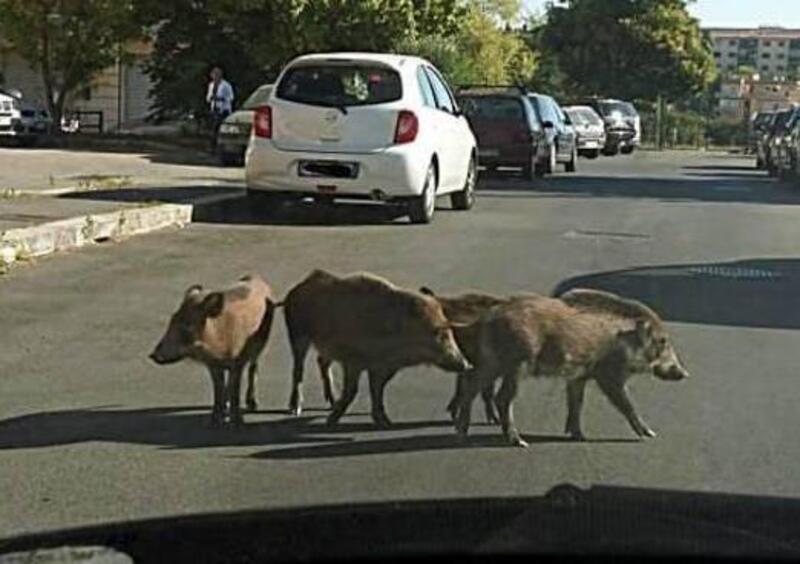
column 68, row 41
column 632, row 49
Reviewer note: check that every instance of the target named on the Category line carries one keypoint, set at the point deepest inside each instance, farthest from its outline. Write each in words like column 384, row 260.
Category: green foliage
column 68, row 41
column 633, row 49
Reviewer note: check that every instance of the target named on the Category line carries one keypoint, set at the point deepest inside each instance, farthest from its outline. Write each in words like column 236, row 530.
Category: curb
column 75, row 232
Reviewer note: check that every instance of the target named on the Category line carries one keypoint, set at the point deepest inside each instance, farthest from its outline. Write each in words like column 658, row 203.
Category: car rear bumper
column 590, row 143
column 395, row 172
column 506, row 155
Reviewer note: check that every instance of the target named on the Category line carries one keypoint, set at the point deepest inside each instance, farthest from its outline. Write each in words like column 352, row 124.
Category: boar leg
column 473, row 383
column 616, row 391
column 218, row 387
column 234, row 394
column 349, row 390
column 250, row 396
column 505, row 399
column 487, row 393
column 377, row 383
column 327, row 378
column 489, row 404
column 575, row 393
column 300, row 347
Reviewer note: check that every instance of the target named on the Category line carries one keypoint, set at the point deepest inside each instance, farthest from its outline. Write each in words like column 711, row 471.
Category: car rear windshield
column 492, row 107
column 257, row 98
column 626, row 109
column 591, row 118
column 340, row 85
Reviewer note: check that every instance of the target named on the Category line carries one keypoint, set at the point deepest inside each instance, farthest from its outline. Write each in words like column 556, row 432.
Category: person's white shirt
column 224, row 101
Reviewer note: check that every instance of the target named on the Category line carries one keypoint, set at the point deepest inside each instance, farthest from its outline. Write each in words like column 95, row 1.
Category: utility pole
column 659, row 123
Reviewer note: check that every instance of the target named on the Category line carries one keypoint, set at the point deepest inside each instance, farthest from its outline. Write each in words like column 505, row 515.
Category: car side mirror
column 547, row 124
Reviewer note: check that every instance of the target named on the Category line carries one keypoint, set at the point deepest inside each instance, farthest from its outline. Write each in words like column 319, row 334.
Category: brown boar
column 225, row 330
column 584, row 336
column 366, row 323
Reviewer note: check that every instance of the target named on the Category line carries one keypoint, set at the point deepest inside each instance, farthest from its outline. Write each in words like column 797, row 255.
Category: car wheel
column 627, row 150
column 592, row 153
column 421, row 208
column 759, row 163
column 570, row 165
column 465, row 199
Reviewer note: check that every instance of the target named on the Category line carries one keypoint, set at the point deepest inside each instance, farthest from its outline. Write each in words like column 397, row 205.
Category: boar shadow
column 168, row 427
column 758, row 292
column 438, row 442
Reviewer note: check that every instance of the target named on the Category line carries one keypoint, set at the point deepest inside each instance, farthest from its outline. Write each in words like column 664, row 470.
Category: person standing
column 220, row 102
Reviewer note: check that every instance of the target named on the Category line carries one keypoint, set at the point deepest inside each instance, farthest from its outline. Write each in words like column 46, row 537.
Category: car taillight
column 262, row 122
column 407, row 127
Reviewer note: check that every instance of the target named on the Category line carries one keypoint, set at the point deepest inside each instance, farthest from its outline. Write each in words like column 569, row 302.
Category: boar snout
column 160, row 356
column 454, row 361
column 673, row 372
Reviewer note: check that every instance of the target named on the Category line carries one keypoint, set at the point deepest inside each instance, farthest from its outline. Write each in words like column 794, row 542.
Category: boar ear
column 192, row 290
column 427, row 291
column 213, row 303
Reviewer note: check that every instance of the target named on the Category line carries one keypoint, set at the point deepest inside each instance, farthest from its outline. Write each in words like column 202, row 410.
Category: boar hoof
column 381, row 420
column 647, row 432
column 252, row 405
column 517, row 441
column 577, row 435
column 332, row 419
column 296, row 410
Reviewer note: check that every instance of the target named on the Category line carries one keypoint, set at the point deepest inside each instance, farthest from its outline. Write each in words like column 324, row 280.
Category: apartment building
column 774, row 52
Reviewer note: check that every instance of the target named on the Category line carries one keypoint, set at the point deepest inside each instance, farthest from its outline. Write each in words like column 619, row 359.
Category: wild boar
column 225, row 330
column 466, row 309
column 364, row 322
column 585, row 335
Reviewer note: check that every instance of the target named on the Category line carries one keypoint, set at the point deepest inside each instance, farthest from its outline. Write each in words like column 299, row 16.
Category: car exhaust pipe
column 379, row 195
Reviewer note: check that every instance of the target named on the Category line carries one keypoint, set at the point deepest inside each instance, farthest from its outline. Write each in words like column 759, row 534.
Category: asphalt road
column 91, row 431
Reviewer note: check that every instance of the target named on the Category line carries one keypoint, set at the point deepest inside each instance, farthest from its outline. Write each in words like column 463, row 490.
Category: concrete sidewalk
column 33, row 226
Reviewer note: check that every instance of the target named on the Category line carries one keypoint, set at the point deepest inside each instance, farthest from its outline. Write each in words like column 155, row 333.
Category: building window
column 731, row 67
column 732, row 43
column 767, row 43
column 765, row 68
column 717, row 54
column 779, row 68
column 765, row 55
column 732, row 54
column 781, row 55
column 781, row 43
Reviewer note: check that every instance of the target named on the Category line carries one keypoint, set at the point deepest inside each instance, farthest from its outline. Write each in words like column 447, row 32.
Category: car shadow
column 758, row 292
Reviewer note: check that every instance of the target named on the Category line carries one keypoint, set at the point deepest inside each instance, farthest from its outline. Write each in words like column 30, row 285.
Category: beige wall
column 121, row 93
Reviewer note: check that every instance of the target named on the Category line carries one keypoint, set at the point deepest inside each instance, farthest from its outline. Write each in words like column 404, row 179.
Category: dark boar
column 365, row 323
column 226, row 330
column 467, row 309
column 584, row 336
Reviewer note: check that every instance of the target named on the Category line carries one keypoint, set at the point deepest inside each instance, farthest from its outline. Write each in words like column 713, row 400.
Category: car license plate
column 328, row 169
column 591, row 144
column 488, row 153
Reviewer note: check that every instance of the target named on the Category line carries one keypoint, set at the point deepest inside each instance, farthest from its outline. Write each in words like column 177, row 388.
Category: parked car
column 507, row 128
column 622, row 123
column 363, row 126
column 21, row 120
column 760, row 123
column 783, row 147
column 772, row 138
column 589, row 129
column 558, row 130
column 234, row 132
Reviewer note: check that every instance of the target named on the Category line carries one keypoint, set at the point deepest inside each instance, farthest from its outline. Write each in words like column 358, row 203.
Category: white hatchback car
column 363, row 126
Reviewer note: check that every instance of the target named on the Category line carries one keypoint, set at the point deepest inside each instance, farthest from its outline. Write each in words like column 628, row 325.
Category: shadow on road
column 168, row 427
column 445, row 441
column 741, row 188
column 167, row 195
column 760, row 292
